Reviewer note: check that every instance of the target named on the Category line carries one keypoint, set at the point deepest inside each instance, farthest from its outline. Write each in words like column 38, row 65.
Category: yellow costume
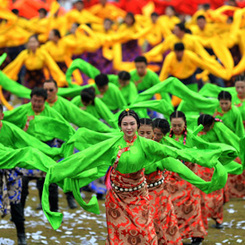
column 35, row 61
column 107, row 11
column 187, row 66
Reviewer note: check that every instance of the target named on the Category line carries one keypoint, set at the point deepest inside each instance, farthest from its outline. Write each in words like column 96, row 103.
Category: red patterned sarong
column 129, row 220
column 187, row 204
column 236, row 184
column 212, row 203
column 162, row 209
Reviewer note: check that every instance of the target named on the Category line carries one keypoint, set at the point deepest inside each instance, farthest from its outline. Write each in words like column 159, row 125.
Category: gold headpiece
column 127, row 109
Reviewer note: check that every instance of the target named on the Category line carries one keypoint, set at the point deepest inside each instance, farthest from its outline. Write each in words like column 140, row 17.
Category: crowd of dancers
column 145, row 110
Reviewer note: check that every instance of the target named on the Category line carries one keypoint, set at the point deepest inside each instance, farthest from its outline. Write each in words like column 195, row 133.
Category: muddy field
column 80, row 227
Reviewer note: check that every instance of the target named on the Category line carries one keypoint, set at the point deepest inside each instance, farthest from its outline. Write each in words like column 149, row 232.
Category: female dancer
column 216, row 131
column 185, row 197
column 161, row 206
column 34, row 59
column 127, row 202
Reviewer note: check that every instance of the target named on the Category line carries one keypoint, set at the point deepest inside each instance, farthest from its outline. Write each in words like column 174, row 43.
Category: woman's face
column 146, row 131
column 225, row 105
column 178, row 125
column 158, row 134
column 32, row 43
column 240, row 88
column 129, row 126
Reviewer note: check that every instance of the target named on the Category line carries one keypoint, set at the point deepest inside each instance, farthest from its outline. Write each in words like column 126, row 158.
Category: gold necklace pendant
column 130, row 144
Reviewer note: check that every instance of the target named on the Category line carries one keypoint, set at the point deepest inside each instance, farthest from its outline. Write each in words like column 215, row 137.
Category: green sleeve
column 228, row 153
column 119, row 100
column 80, row 140
column 21, row 139
column 77, row 101
column 212, row 90
column 18, row 116
column 239, row 127
column 174, row 86
column 73, row 166
column 132, row 93
column 218, row 180
column 27, row 157
column 156, row 152
column 13, row 87
column 83, row 66
column 81, row 118
column 113, row 79
column 47, row 128
column 226, row 136
column 161, row 106
column 70, row 92
column 105, row 113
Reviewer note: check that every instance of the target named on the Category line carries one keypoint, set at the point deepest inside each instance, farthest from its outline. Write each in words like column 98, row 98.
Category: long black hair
column 161, row 124
column 126, row 113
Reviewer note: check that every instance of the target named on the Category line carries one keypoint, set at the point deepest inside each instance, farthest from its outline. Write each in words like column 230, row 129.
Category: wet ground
column 80, row 227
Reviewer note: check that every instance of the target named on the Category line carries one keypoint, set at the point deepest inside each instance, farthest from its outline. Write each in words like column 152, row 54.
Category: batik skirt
column 129, row 220
column 212, row 203
column 162, row 209
column 187, row 204
column 236, row 184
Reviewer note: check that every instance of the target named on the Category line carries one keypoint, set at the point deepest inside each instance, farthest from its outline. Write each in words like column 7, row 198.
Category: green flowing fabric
column 13, row 137
column 185, row 173
column 161, row 106
column 47, row 128
column 27, row 157
column 212, row 90
column 80, row 140
column 83, row 66
column 49, row 119
column 13, row 87
column 129, row 91
column 232, row 119
column 78, row 117
column 142, row 154
column 19, row 115
column 222, row 134
column 2, row 58
column 99, row 110
column 70, row 92
column 193, row 101
column 228, row 152
column 150, row 79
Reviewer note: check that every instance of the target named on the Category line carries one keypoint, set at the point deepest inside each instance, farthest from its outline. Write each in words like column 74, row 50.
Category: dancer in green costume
column 122, row 80
column 237, row 92
column 229, row 114
column 142, row 153
column 94, row 106
column 215, row 131
column 70, row 112
column 144, row 78
column 26, row 157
